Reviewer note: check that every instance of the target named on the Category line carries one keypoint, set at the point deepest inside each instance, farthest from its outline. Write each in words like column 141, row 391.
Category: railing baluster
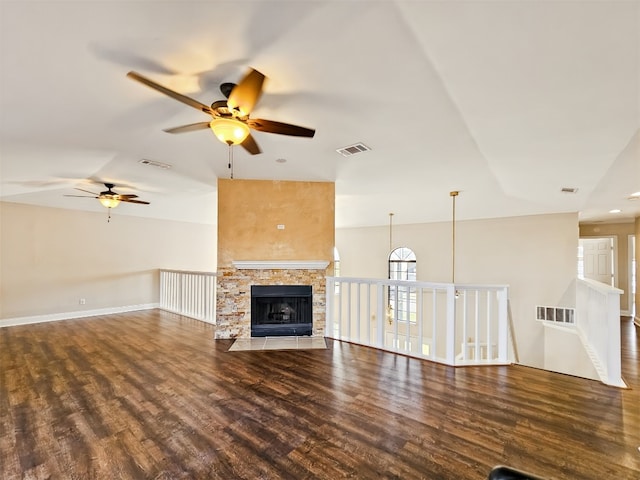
column 489, row 324
column 477, row 327
column 369, row 313
column 358, row 313
column 434, row 324
column 188, row 293
column 456, row 317
column 419, row 319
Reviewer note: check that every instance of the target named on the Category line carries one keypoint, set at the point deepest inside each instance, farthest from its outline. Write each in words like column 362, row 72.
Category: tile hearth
column 278, row 343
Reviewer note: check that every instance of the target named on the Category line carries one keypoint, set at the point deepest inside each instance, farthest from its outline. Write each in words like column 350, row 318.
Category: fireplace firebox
column 281, row 310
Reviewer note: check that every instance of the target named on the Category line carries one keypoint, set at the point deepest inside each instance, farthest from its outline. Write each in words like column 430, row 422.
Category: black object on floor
column 507, row 473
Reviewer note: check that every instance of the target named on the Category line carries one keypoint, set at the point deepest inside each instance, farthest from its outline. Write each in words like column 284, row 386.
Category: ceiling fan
column 109, row 198
column 230, row 119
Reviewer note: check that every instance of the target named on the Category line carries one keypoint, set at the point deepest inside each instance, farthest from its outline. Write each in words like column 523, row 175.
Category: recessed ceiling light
column 634, row 196
column 615, row 210
column 281, row 160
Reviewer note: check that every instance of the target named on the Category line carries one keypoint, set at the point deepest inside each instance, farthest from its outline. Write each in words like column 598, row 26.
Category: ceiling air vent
column 153, row 163
column 352, row 149
column 569, row 190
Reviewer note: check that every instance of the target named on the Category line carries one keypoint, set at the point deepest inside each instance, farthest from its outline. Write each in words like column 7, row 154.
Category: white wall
column 50, row 258
column 535, row 255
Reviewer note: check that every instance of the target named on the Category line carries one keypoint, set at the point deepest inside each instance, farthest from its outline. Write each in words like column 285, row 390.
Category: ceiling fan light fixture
column 229, row 130
column 109, row 201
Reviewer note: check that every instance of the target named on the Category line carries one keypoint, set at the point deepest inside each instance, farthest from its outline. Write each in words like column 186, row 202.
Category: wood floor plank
column 152, row 395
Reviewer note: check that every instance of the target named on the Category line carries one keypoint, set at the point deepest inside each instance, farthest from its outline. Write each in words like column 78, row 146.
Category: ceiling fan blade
column 188, row 128
column 279, row 127
column 178, row 96
column 128, row 200
column 79, row 196
column 87, row 191
column 122, row 197
column 246, row 93
column 251, row 146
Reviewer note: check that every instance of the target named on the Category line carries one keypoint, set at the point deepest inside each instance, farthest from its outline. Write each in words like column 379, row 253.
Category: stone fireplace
column 265, row 228
column 234, row 285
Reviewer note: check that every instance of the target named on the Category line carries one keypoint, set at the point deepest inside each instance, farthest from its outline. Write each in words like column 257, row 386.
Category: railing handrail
column 418, row 283
column 193, row 272
column 600, row 286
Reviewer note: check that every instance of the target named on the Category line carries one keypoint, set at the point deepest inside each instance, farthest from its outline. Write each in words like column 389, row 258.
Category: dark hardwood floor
column 152, row 395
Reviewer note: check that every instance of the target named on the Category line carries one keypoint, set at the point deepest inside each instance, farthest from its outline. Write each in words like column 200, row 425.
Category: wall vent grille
column 569, row 190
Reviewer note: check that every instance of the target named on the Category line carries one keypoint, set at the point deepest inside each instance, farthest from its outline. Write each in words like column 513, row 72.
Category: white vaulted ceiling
column 506, row 101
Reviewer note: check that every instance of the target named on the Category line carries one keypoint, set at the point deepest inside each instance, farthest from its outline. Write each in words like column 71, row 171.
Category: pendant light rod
column 453, row 195
column 390, row 232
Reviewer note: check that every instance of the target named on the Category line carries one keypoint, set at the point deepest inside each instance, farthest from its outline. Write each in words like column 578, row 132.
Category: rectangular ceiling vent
column 352, row 149
column 153, row 163
column 569, row 190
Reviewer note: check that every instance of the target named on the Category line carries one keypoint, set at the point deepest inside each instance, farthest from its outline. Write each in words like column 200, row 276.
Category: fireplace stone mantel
column 280, row 264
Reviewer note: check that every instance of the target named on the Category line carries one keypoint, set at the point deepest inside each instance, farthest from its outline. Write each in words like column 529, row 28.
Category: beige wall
column 621, row 232
column 249, row 212
column 51, row 258
column 534, row 255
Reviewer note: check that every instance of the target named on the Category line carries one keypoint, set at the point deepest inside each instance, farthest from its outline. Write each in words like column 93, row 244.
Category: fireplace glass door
column 279, row 310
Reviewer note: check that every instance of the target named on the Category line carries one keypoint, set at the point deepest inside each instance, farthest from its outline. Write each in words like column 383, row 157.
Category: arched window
column 402, row 299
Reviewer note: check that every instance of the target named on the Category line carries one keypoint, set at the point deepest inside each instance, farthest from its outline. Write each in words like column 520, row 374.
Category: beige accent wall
column 621, row 232
column 535, row 255
column 249, row 215
column 249, row 212
column 51, row 258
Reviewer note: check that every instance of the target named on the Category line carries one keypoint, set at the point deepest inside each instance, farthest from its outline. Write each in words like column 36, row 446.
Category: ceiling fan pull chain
column 231, row 160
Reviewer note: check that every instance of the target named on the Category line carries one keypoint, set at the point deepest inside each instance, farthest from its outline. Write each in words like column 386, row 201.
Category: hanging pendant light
column 453, row 195
column 389, row 310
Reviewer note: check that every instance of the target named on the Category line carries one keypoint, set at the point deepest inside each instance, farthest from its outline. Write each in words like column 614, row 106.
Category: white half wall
column 565, row 353
column 535, row 255
column 51, row 259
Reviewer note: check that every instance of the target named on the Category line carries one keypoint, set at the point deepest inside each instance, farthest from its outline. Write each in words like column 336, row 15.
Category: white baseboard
column 54, row 317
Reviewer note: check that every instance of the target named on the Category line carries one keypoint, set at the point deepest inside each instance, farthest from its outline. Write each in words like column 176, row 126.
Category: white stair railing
column 192, row 294
column 445, row 323
column 598, row 325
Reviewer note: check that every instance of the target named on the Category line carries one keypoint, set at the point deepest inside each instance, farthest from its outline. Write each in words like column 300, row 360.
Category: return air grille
column 153, row 163
column 556, row 314
column 352, row 149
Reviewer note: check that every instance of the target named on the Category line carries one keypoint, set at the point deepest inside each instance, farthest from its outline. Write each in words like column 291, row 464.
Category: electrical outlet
column 83, row 301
